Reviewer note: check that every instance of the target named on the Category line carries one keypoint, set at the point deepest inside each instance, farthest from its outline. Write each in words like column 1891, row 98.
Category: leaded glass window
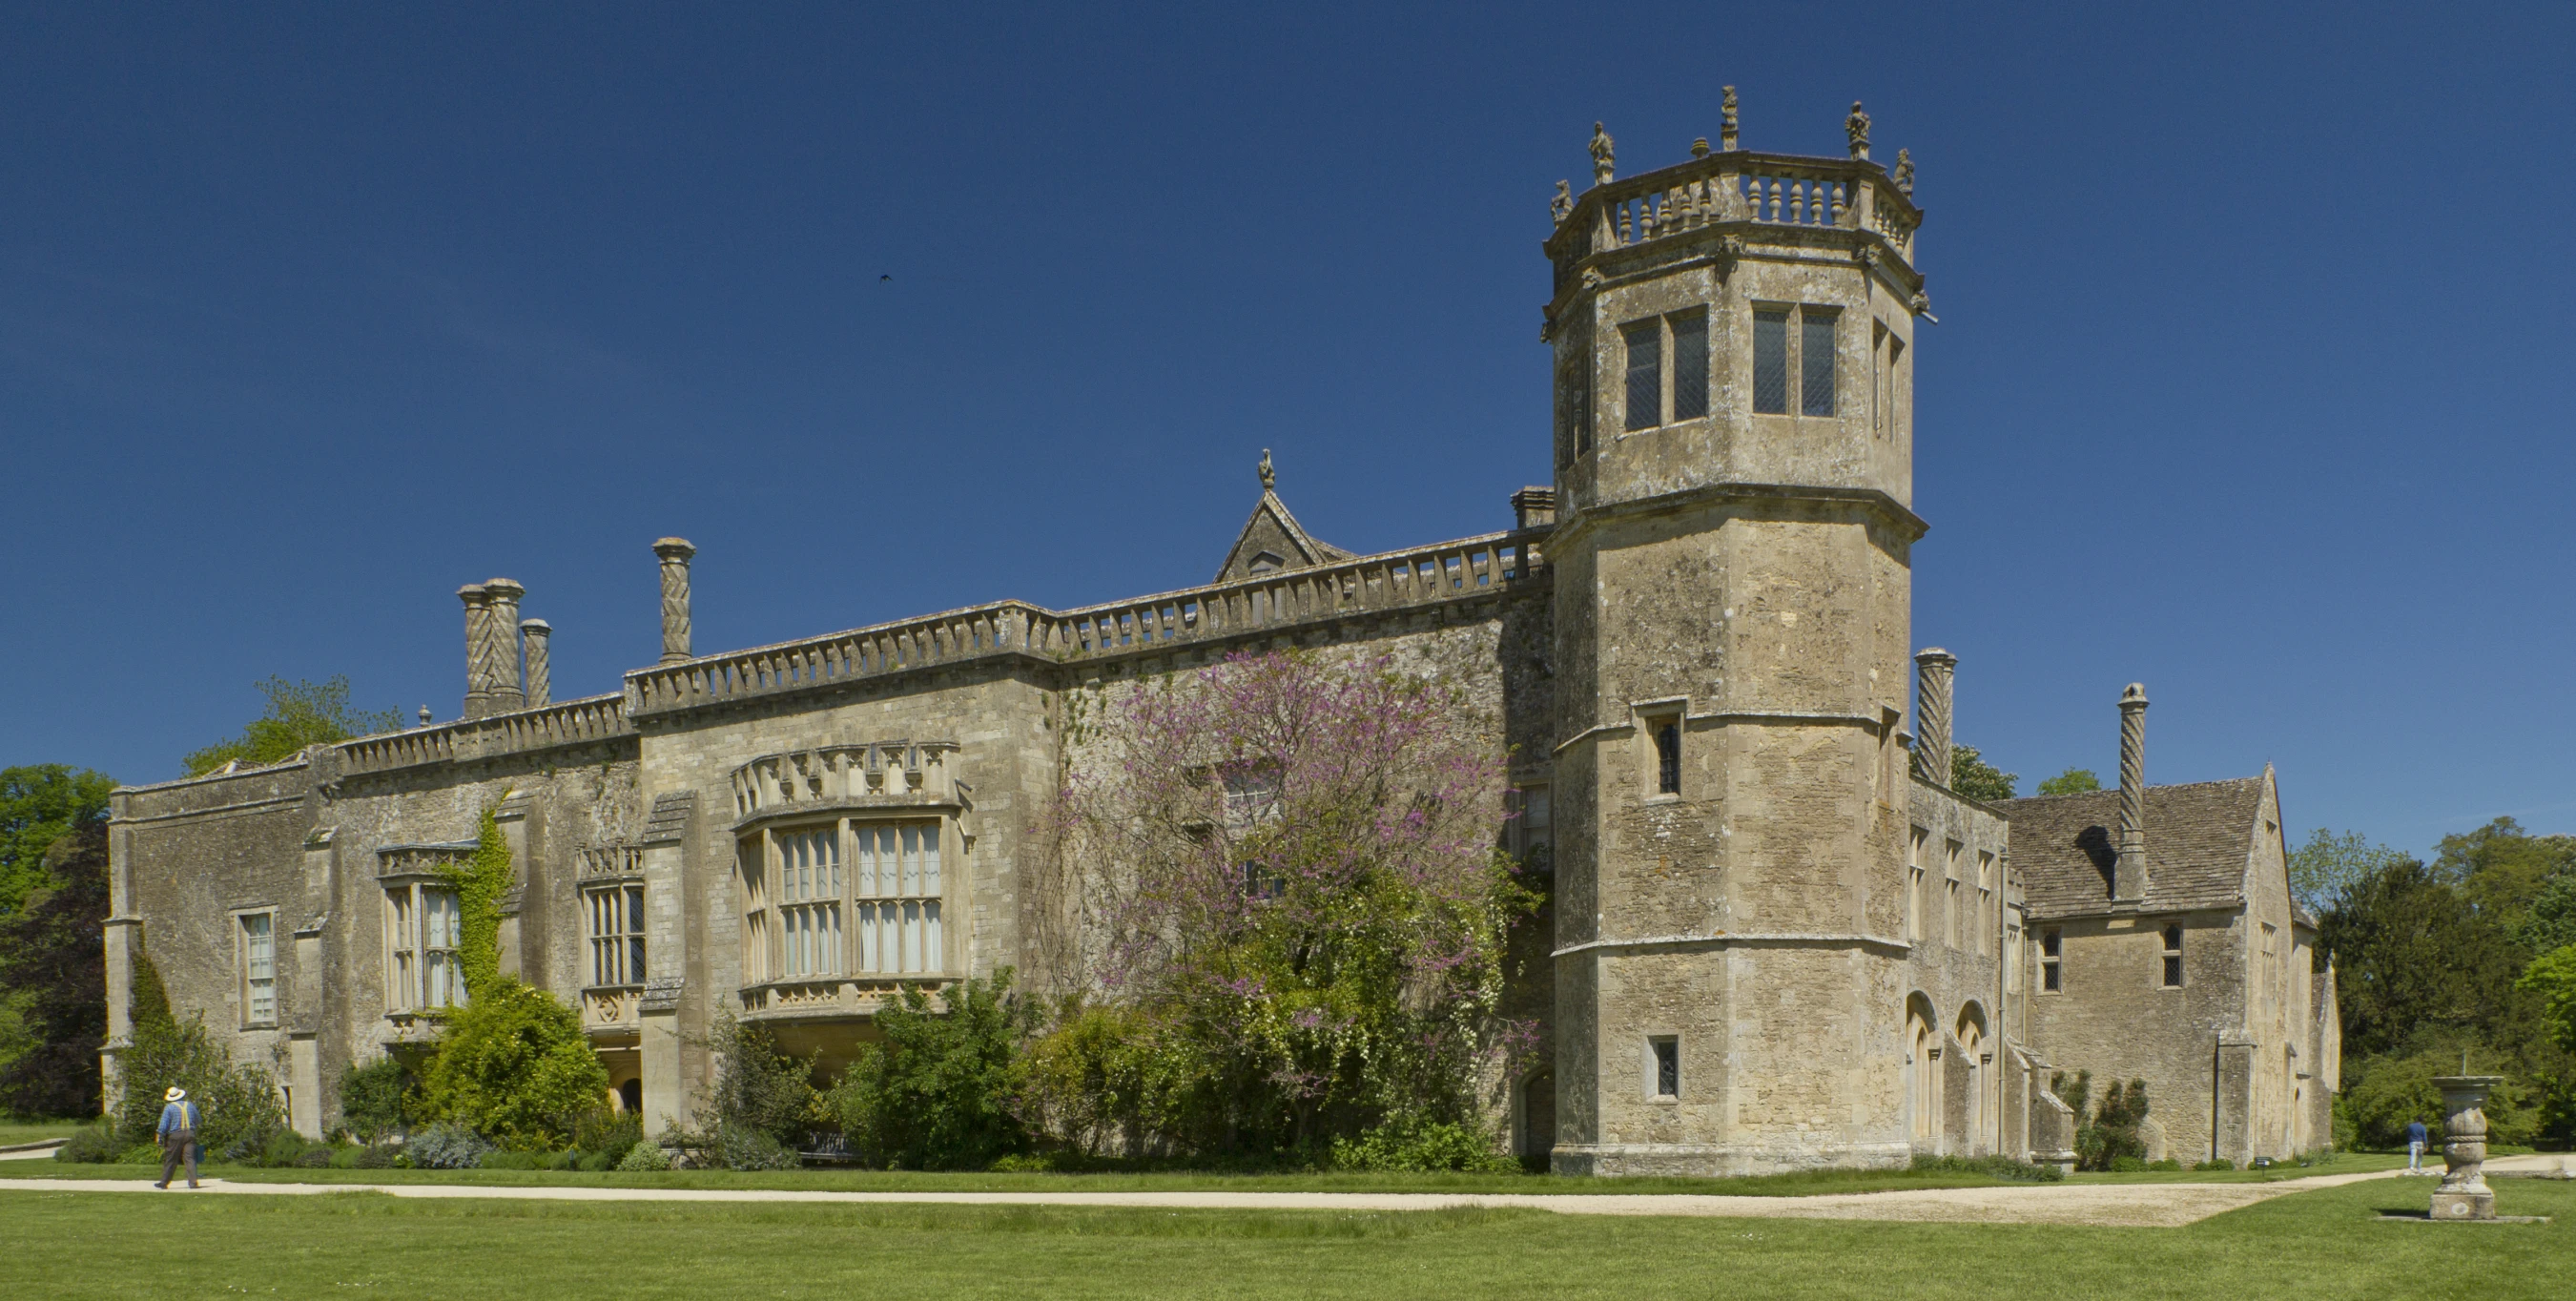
column 1690, row 366
column 1771, row 363
column 1815, row 362
column 1645, row 341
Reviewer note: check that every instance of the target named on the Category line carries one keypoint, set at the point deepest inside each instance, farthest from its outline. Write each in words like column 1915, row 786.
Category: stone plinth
column 2463, row 1194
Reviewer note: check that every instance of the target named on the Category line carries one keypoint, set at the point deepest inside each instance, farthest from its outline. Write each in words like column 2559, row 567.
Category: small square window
column 1667, row 1060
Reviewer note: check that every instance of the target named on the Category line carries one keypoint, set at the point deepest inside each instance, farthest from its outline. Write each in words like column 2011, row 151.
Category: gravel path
column 2149, row 1205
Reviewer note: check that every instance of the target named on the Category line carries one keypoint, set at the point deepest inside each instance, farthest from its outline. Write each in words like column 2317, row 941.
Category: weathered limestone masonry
column 1769, row 944
column 2170, row 950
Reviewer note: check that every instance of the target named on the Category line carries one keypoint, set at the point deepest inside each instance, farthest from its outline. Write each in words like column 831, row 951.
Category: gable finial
column 1269, row 479
column 1857, row 127
column 1726, row 136
column 1601, row 155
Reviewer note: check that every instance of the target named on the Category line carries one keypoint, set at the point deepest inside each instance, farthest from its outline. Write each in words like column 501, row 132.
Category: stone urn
column 2463, row 1194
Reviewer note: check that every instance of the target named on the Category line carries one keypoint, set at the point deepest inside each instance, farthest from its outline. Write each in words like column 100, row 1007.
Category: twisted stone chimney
column 2129, row 878
column 478, row 613
column 535, row 634
column 1933, row 669
column 675, row 553
column 501, row 646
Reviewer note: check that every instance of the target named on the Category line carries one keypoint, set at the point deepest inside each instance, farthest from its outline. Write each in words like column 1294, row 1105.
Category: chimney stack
column 478, row 613
column 501, row 647
column 675, row 553
column 1933, row 669
column 535, row 633
column 1534, row 508
column 2129, row 879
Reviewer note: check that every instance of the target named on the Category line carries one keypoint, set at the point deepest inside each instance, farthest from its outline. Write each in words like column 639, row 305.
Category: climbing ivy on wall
column 480, row 881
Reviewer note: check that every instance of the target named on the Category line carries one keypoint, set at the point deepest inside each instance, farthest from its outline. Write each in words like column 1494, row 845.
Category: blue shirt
column 2414, row 1131
column 183, row 1115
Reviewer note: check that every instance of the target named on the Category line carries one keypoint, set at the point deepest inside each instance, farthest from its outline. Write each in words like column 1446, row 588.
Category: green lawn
column 1788, row 1185
column 30, row 1131
column 159, row 1245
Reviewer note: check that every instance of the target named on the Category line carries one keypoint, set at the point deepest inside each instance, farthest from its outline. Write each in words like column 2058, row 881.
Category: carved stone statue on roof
column 1562, row 206
column 1726, row 133
column 1857, row 127
column 1904, row 173
column 1269, row 478
column 1601, row 156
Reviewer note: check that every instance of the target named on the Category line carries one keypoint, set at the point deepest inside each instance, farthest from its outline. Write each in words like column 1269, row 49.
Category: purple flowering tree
column 1292, row 915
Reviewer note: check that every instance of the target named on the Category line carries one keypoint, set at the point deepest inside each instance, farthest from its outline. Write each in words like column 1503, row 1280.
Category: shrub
column 281, row 1149
column 2111, row 1132
column 742, row 1147
column 1416, row 1145
column 140, row 1154
column 514, row 1064
column 316, row 1157
column 500, row 1160
column 2167, row 1164
column 90, row 1145
column 373, row 1098
column 2121, row 1165
column 645, row 1156
column 447, row 1146
column 936, row 1094
column 608, row 1135
column 2391, row 1091
column 237, row 1107
column 1993, row 1167
column 2214, row 1163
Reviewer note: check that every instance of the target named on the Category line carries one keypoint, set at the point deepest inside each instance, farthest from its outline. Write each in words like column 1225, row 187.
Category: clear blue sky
column 2246, row 383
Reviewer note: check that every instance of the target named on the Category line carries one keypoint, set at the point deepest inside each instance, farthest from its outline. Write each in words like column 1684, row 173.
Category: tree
column 1299, row 902
column 2553, row 976
column 299, row 714
column 2073, row 781
column 54, row 974
column 936, row 1095
column 1972, row 776
column 2330, row 864
column 2417, row 966
column 38, row 804
column 2503, row 869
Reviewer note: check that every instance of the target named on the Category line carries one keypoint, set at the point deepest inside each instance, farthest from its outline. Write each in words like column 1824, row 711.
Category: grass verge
column 2327, row 1242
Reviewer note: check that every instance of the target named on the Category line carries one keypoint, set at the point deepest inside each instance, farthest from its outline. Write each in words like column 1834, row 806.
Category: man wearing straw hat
column 178, row 1136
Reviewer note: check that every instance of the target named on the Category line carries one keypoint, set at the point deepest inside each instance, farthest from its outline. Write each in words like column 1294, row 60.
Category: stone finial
column 1534, row 508
column 1726, row 132
column 1562, row 206
column 1934, row 669
column 424, row 715
column 2129, row 876
column 675, row 554
column 1602, row 157
column 1857, row 128
column 503, row 684
column 1699, row 147
column 478, row 613
column 1269, row 477
column 536, row 635
column 1904, row 173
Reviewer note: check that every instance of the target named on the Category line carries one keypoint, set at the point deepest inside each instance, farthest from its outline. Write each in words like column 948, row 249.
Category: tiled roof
column 2199, row 837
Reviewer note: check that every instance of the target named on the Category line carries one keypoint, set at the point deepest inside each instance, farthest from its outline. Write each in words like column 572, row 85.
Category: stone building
column 1780, row 939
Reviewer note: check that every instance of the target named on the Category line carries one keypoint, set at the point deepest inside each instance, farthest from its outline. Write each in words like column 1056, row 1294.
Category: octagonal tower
column 1733, row 343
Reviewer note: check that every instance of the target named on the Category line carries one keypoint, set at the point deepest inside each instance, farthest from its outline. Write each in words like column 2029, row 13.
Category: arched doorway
column 1922, row 1075
column 1972, row 1054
